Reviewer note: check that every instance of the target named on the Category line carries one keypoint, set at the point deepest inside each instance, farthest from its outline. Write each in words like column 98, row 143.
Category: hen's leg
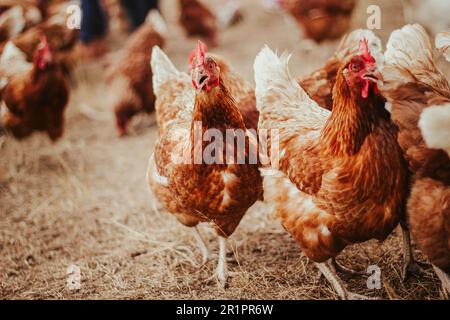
column 222, row 267
column 329, row 272
column 345, row 269
column 202, row 245
column 444, row 277
column 410, row 266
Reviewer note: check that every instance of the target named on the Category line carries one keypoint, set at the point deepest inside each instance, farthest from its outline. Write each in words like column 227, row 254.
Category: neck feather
column 353, row 118
column 214, row 110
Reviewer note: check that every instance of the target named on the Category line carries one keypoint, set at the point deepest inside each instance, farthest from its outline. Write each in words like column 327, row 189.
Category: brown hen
column 415, row 87
column 36, row 95
column 198, row 21
column 196, row 189
column 321, row 19
column 130, row 76
column 340, row 177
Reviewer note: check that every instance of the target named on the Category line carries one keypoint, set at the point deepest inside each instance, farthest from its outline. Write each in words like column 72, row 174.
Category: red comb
column 364, row 50
column 199, row 53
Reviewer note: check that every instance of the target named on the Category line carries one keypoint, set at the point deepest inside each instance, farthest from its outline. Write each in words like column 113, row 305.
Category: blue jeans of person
column 137, row 10
column 94, row 23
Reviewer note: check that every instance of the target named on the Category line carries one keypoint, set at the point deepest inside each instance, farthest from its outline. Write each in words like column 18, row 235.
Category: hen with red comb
column 205, row 185
column 36, row 98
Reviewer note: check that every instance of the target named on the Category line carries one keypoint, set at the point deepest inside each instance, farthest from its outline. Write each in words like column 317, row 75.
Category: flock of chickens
column 363, row 143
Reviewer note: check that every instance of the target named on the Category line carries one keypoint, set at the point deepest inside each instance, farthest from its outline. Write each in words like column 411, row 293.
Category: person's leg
column 154, row 4
column 138, row 9
column 93, row 23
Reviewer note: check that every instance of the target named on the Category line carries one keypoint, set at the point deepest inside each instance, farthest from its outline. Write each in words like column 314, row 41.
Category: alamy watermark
column 234, row 146
column 73, row 273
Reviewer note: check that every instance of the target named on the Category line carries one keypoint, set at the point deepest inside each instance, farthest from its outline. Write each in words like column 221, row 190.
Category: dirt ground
column 83, row 201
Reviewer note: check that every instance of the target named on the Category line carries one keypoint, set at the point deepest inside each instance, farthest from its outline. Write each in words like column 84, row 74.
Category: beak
column 374, row 75
column 200, row 77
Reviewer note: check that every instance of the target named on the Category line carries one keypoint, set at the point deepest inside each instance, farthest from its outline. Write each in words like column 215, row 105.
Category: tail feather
column 409, row 58
column 269, row 68
column 280, row 100
column 435, row 126
column 162, row 68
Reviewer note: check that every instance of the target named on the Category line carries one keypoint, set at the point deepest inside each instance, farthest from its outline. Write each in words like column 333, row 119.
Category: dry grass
column 84, row 201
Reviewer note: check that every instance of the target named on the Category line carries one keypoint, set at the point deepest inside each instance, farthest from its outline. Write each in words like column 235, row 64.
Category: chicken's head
column 361, row 72
column 205, row 71
column 43, row 56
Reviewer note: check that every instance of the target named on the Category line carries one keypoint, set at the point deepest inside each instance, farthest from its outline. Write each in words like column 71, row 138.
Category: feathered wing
column 409, row 58
column 442, row 43
column 174, row 104
column 435, row 126
column 284, row 106
column 175, row 96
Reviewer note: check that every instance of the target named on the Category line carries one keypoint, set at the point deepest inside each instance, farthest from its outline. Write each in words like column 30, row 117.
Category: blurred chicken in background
column 130, row 76
column 15, row 19
column 32, row 20
column 35, row 94
column 321, row 19
column 198, row 20
column 420, row 98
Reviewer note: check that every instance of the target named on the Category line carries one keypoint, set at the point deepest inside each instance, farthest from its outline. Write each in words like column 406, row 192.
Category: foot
column 329, row 272
column 345, row 269
column 413, row 267
column 444, row 277
column 410, row 266
column 221, row 274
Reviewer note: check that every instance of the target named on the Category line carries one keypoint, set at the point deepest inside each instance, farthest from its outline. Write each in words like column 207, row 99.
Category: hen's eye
column 354, row 67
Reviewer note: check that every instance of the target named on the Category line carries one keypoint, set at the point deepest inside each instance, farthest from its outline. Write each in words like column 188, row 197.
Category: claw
column 329, row 272
column 345, row 269
column 221, row 274
column 413, row 267
column 445, row 279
